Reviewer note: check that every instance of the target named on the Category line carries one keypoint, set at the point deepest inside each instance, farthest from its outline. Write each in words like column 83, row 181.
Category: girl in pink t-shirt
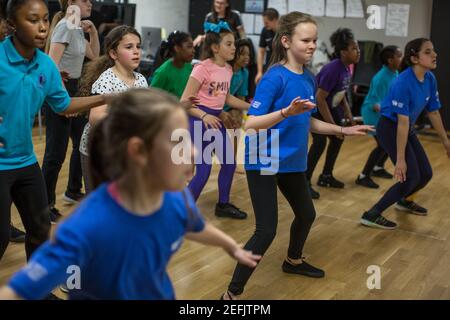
column 210, row 83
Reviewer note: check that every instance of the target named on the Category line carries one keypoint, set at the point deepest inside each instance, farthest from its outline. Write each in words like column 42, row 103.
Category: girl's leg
column 319, row 142
column 29, row 195
column 6, row 181
column 85, row 171
column 332, row 153
column 74, row 184
column 387, row 134
column 375, row 158
column 203, row 166
column 56, row 141
column 294, row 187
column 227, row 169
column 263, row 192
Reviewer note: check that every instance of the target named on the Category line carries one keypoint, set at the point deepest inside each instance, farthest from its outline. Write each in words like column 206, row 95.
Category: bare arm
column 241, row 32
column 236, row 103
column 191, row 90
column 322, row 127
column 56, row 52
column 214, row 237
column 93, row 46
column 323, row 106
column 98, row 113
column 266, row 121
column 402, row 139
column 6, row 293
column 436, row 121
column 260, row 64
column 78, row 105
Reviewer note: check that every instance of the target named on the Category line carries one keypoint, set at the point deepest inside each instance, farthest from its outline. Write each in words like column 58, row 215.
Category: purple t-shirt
column 335, row 78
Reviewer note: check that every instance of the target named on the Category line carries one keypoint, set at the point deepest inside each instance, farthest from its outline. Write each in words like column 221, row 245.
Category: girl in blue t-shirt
column 140, row 201
column 28, row 77
column 333, row 81
column 284, row 101
column 414, row 90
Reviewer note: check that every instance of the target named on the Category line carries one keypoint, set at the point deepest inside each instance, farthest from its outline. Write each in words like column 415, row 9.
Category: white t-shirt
column 108, row 83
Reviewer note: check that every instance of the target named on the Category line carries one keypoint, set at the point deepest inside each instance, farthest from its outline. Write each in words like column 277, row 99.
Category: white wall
column 168, row 14
column 419, row 23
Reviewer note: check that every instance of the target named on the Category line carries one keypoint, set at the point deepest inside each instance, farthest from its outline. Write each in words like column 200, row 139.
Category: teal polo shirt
column 24, row 86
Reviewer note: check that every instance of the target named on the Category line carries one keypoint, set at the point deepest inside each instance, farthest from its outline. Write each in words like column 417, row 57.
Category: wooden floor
column 414, row 260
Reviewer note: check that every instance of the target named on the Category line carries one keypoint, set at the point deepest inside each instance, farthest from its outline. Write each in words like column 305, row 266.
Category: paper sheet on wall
column 313, row 7
column 255, row 39
column 248, row 20
column 397, row 20
column 335, row 8
column 354, row 9
column 383, row 16
column 279, row 5
column 259, row 24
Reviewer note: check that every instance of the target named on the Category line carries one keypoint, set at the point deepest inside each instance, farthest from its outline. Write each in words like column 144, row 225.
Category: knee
column 266, row 237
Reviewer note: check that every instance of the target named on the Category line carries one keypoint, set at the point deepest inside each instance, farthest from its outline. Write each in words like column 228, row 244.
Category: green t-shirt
column 171, row 79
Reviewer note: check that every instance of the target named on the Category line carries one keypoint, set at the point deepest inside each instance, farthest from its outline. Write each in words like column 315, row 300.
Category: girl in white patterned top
column 111, row 73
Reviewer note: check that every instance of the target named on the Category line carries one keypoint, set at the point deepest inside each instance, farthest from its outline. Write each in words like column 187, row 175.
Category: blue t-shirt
column 24, row 86
column 409, row 97
column 120, row 255
column 284, row 147
column 239, row 85
column 335, row 78
column 379, row 87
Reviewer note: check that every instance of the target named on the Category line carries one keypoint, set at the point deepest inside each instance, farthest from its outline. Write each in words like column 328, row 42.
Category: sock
column 377, row 168
column 362, row 175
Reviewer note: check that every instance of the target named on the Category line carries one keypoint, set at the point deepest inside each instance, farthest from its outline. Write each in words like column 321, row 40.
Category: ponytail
column 412, row 49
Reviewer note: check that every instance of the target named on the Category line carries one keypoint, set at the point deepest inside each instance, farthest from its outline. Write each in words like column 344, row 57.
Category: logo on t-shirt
column 217, row 88
column 42, row 80
column 256, row 104
column 396, row 103
column 176, row 245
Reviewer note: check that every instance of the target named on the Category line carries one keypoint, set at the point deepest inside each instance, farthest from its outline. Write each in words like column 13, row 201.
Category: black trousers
column 263, row 192
column 418, row 173
column 58, row 130
column 25, row 188
column 377, row 157
column 319, row 143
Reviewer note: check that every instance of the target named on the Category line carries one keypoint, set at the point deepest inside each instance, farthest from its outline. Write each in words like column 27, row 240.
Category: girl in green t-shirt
column 174, row 68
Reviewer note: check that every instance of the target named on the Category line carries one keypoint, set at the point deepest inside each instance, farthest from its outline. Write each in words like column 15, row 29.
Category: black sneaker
column 51, row 296
column 16, row 235
column 227, row 210
column 329, row 181
column 377, row 221
column 304, row 269
column 411, row 207
column 73, row 197
column 366, row 182
column 314, row 193
column 55, row 215
column 382, row 173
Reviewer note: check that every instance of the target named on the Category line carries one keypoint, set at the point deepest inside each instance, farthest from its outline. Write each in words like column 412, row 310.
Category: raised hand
column 299, row 106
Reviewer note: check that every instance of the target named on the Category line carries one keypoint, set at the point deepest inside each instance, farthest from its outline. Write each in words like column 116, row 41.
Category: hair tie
column 216, row 28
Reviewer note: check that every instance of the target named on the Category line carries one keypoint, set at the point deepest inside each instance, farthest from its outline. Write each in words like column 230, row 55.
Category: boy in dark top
column 270, row 17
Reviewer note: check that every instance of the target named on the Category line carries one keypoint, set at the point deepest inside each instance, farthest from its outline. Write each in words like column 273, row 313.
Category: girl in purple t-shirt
column 333, row 81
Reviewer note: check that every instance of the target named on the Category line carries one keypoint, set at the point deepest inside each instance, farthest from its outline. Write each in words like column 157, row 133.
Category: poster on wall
column 354, row 9
column 279, row 5
column 335, row 9
column 255, row 6
column 313, row 7
column 397, row 20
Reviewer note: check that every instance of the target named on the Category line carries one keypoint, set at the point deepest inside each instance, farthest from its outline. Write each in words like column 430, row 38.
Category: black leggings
column 317, row 148
column 263, row 192
column 58, row 130
column 25, row 188
column 418, row 172
column 377, row 157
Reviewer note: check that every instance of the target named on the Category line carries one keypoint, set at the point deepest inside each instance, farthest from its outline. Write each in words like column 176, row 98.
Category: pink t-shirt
column 215, row 82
